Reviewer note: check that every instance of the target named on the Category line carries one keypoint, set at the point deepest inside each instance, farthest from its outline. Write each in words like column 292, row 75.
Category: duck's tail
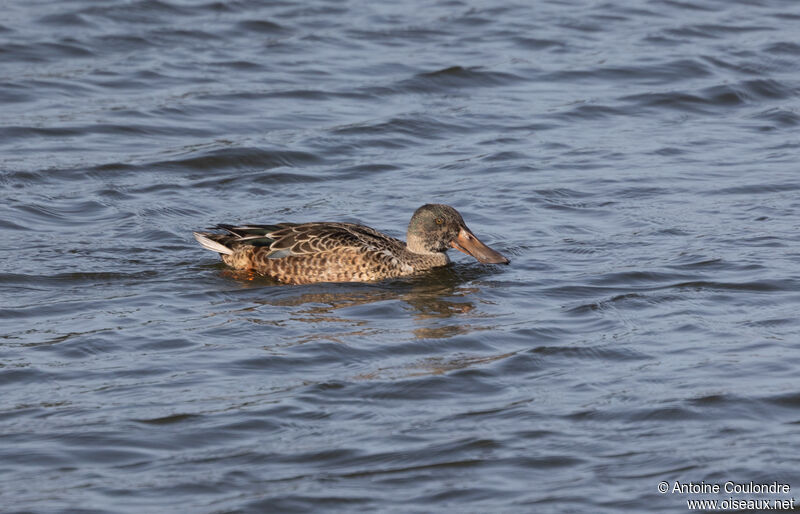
column 214, row 242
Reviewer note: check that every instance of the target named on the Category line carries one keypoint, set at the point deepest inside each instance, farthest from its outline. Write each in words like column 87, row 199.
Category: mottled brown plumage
column 346, row 252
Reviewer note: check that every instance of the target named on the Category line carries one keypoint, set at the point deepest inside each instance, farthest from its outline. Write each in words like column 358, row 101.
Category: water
column 637, row 163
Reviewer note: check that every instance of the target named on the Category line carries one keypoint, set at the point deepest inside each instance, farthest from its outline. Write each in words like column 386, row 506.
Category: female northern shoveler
column 302, row 253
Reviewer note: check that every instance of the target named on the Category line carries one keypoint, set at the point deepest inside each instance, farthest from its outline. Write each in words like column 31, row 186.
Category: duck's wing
column 292, row 239
column 253, row 235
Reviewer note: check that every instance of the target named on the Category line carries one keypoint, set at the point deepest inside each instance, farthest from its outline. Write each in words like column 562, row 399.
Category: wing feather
column 310, row 238
column 292, row 239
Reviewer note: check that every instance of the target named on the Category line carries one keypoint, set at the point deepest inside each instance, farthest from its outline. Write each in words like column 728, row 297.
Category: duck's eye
column 439, row 221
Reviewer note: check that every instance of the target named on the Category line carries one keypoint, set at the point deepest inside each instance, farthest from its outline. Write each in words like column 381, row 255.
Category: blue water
column 636, row 161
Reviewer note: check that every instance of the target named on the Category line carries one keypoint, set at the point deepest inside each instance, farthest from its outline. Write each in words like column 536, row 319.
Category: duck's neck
column 421, row 258
column 416, row 244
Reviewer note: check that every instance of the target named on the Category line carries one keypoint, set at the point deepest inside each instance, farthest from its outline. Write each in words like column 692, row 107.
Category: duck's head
column 435, row 228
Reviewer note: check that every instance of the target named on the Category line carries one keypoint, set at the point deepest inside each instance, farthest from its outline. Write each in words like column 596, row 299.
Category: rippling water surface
column 637, row 161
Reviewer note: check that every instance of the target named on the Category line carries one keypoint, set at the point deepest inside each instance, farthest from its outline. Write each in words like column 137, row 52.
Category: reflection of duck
column 347, row 252
column 438, row 294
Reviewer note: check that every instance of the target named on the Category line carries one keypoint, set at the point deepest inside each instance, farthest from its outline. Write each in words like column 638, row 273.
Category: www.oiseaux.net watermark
column 740, row 495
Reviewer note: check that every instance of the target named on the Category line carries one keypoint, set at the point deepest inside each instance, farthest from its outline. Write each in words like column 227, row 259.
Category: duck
column 305, row 253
